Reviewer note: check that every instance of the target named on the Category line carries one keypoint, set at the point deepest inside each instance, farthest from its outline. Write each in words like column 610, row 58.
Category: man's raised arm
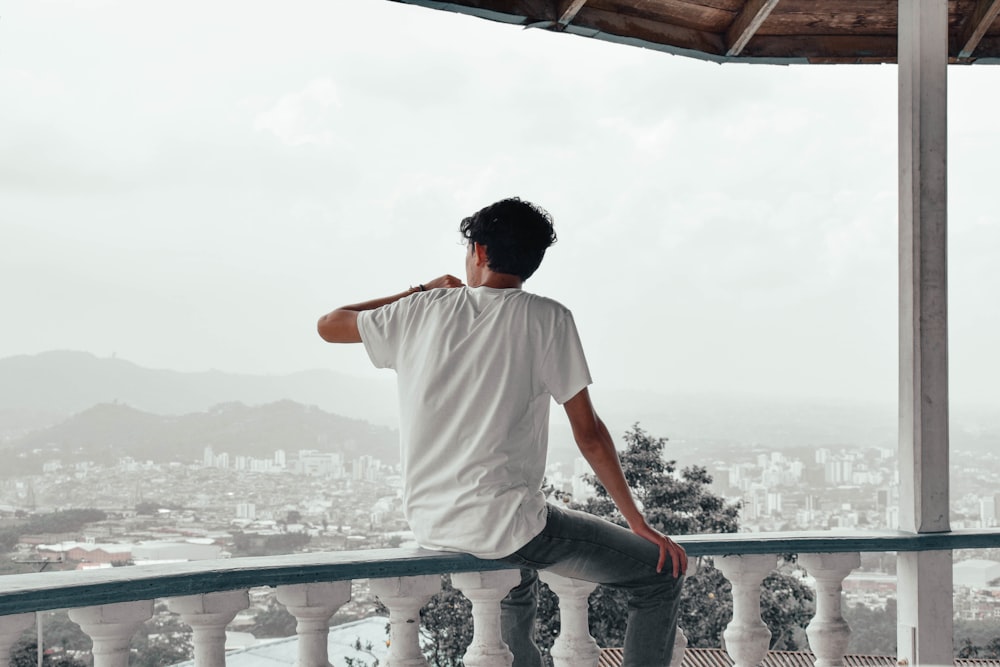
column 598, row 448
column 341, row 325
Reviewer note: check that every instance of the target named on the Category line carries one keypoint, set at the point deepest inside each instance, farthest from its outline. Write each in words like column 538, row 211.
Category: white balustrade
column 111, row 627
column 574, row 647
column 747, row 637
column 485, row 590
column 208, row 615
column 312, row 605
column 828, row 632
column 404, row 596
column 11, row 629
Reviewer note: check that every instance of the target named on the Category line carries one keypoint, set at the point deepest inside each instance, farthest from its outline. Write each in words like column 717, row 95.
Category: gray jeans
column 582, row 546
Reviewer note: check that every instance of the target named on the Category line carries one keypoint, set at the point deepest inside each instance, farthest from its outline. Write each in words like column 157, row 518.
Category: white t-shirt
column 476, row 369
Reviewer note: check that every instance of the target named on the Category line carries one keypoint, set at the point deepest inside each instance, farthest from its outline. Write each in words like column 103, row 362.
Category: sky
column 190, row 185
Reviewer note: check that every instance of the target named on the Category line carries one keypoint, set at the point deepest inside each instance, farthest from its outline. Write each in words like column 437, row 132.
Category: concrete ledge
column 61, row 590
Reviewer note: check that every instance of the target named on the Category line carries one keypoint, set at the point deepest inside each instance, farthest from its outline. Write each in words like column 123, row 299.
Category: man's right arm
column 598, row 448
column 341, row 325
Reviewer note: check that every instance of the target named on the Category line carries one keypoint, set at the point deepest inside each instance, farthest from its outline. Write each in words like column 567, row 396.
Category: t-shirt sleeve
column 564, row 371
column 380, row 331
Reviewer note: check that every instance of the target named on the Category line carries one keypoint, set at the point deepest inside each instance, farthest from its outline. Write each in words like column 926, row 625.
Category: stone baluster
column 312, row 605
column 828, row 632
column 208, row 615
column 404, row 596
column 575, row 647
column 747, row 637
column 485, row 590
column 680, row 646
column 11, row 629
column 111, row 627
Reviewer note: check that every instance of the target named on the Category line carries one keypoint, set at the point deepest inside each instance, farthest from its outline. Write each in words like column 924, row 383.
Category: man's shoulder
column 544, row 303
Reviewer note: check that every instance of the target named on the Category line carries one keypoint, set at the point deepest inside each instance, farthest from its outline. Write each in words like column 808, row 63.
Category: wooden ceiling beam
column 747, row 23
column 567, row 10
column 976, row 25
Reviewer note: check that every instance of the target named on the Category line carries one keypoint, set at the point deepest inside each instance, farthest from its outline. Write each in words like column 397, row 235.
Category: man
column 476, row 368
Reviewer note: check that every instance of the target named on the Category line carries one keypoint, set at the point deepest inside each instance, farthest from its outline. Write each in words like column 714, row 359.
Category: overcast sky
column 189, row 185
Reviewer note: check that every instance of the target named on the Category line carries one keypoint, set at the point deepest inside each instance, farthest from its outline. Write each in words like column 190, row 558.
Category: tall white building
column 987, row 512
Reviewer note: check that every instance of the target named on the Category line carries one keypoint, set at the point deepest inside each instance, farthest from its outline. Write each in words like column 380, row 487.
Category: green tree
column 65, row 521
column 273, row 621
column 25, row 654
column 873, row 631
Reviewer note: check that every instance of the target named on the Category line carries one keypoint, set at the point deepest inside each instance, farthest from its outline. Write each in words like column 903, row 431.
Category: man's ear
column 481, row 258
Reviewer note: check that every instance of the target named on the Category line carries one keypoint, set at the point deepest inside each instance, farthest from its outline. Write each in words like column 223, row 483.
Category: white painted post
column 208, row 615
column 404, row 596
column 924, row 587
column 111, row 627
column 828, row 632
column 11, row 629
column 485, row 590
column 312, row 605
column 747, row 637
column 575, row 647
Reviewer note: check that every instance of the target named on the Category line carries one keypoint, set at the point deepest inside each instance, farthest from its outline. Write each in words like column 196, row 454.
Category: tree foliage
column 873, row 631
column 65, row 521
column 273, row 621
column 25, row 654
column 258, row 544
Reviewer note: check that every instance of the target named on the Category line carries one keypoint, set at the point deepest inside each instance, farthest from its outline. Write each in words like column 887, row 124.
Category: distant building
column 86, row 552
column 208, row 459
column 987, row 512
column 193, row 549
column 246, row 511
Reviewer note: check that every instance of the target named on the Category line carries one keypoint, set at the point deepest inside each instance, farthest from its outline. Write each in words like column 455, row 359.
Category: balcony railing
column 111, row 604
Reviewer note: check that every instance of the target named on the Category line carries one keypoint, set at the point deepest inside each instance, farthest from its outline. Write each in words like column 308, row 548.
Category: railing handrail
column 59, row 590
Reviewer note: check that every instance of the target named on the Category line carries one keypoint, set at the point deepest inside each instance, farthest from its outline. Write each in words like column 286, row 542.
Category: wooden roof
column 765, row 31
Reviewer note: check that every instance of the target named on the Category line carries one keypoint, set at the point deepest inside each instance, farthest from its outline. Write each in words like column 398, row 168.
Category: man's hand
column 446, row 280
column 668, row 548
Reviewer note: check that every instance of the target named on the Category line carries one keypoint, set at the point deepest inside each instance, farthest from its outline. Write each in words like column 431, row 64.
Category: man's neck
column 502, row 281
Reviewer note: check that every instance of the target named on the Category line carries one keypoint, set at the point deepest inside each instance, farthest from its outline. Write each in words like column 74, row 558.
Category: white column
column 747, row 637
column 485, row 590
column 924, row 579
column 828, row 632
column 111, row 627
column 404, row 596
column 575, row 647
column 11, row 629
column 312, row 605
column 208, row 615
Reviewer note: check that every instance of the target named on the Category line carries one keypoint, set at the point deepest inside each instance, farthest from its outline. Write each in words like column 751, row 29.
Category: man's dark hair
column 515, row 233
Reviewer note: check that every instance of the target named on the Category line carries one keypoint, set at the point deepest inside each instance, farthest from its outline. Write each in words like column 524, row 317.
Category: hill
column 62, row 383
column 107, row 432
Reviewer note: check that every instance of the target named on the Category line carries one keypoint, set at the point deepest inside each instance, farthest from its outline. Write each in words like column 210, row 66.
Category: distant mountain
column 62, row 383
column 107, row 432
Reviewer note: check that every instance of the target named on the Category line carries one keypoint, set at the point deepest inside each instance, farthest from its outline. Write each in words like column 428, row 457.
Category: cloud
column 302, row 117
